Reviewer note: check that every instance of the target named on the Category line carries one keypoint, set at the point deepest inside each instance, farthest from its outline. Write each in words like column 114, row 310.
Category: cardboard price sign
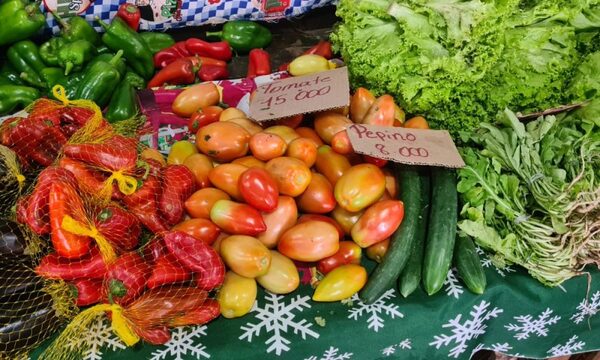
column 407, row 146
column 299, row 95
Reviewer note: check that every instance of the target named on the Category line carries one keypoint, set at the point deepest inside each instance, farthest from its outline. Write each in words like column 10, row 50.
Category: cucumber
column 409, row 281
column 386, row 273
column 441, row 229
column 469, row 265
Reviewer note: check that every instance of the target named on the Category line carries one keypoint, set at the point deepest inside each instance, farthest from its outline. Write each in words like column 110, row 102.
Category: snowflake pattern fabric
column 332, row 353
column 587, row 309
column 184, row 343
column 99, row 339
column 570, row 347
column 403, row 345
column 375, row 312
column 452, row 286
column 527, row 325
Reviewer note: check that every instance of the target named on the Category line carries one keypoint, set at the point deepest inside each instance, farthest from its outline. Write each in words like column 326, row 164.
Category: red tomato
column 203, row 117
column 349, row 253
column 377, row 251
column 375, row 161
column 309, row 241
column 378, row 222
column 259, row 189
column 199, row 204
column 278, row 221
column 291, row 121
column 308, row 217
column 202, row 229
column 318, row 197
column 237, row 219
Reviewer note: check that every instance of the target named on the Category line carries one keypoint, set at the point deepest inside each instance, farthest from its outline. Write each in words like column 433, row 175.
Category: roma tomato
column 291, row 121
column 202, row 229
column 201, row 202
column 340, row 143
column 291, row 175
column 303, row 149
column 236, row 296
column 329, row 123
column 226, row 178
column 375, row 161
column 378, row 222
column 377, row 251
column 417, row 122
column 391, row 185
column 231, row 113
column 359, row 187
column 203, row 117
column 318, row 197
column 259, row 189
column 236, row 218
column 309, row 133
column 194, row 98
column 250, row 126
column 349, row 253
column 282, row 277
column 153, row 154
column 309, row 241
column 180, row 151
column 245, row 255
column 200, row 165
column 360, row 102
column 331, row 164
column 249, row 162
column 223, row 141
column 278, row 221
column 382, row 112
column 316, row 217
column 287, row 133
column 345, row 218
column 341, row 283
column 265, row 146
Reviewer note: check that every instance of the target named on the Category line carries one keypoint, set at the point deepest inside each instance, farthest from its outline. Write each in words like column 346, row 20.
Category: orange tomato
column 153, row 154
column 245, row 255
column 331, row 164
column 226, row 177
column 291, row 121
column 377, row 251
column 341, row 283
column 292, row 175
column 359, row 187
column 287, row 133
column 382, row 112
column 223, row 141
column 231, row 113
column 330, row 123
column 309, row 217
column 303, row 149
column 265, row 146
column 249, row 161
column 309, row 241
column 282, row 277
column 278, row 221
column 309, row 133
column 391, row 185
column 417, row 122
column 340, row 143
column 194, row 98
column 202, row 229
column 360, row 102
column 378, row 222
column 250, row 126
column 199, row 204
column 345, row 218
column 318, row 197
column 200, row 165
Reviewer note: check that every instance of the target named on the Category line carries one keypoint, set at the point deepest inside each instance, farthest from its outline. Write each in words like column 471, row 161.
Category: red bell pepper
column 143, row 203
column 170, row 54
column 130, row 14
column 213, row 72
column 46, row 109
column 76, row 115
column 86, row 291
column 63, row 200
column 209, row 311
column 323, row 48
column 167, row 270
column 216, row 50
column 36, row 140
column 53, row 266
column 120, row 227
column 200, row 61
column 198, row 257
column 126, row 278
column 115, row 154
column 178, row 184
column 180, row 71
column 259, row 63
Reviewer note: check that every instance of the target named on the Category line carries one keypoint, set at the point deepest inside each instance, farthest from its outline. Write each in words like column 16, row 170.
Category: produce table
column 516, row 315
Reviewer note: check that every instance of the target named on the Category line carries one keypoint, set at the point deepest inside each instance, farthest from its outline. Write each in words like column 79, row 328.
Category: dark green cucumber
column 468, row 264
column 386, row 273
column 441, row 234
column 410, row 279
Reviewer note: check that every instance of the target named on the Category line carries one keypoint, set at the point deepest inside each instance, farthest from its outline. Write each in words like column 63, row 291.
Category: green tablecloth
column 516, row 316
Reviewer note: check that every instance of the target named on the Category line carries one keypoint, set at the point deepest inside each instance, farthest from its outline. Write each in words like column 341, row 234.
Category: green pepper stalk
column 120, row 64
column 14, row 96
column 49, row 50
column 77, row 28
column 244, row 35
column 74, row 55
column 99, row 81
column 20, row 20
column 24, row 56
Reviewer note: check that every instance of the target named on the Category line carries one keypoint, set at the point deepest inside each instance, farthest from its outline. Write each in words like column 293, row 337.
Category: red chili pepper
column 143, row 204
column 63, row 200
column 156, row 336
column 120, row 227
column 213, row 72
column 323, row 48
column 126, row 278
column 170, row 54
column 259, row 63
column 198, row 257
column 130, row 14
column 180, row 71
column 167, row 270
column 178, row 184
column 209, row 311
column 375, row 161
column 115, row 154
column 86, row 291
column 53, row 266
column 200, row 61
column 76, row 115
column 203, row 117
column 217, row 50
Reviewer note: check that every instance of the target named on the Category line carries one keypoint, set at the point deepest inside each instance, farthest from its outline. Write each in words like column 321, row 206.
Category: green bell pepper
column 8, row 74
column 72, row 84
column 123, row 104
column 244, row 35
column 14, row 96
column 20, row 20
column 120, row 64
column 49, row 50
column 102, row 49
column 24, row 56
column 53, row 76
column 119, row 36
column 74, row 55
column 157, row 41
column 77, row 28
column 99, row 81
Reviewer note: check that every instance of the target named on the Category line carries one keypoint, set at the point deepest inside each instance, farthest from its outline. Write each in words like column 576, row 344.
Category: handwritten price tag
column 407, row 146
column 299, row 95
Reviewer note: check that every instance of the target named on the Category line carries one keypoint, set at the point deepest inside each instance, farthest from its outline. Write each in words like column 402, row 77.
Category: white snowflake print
column 486, row 262
column 477, row 348
column 332, row 354
column 403, row 345
column 471, row 329
column 388, row 351
column 276, row 317
column 502, row 348
column 567, row 349
column 375, row 310
column 98, row 337
column 528, row 325
column 587, row 309
column 184, row 341
column 453, row 287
